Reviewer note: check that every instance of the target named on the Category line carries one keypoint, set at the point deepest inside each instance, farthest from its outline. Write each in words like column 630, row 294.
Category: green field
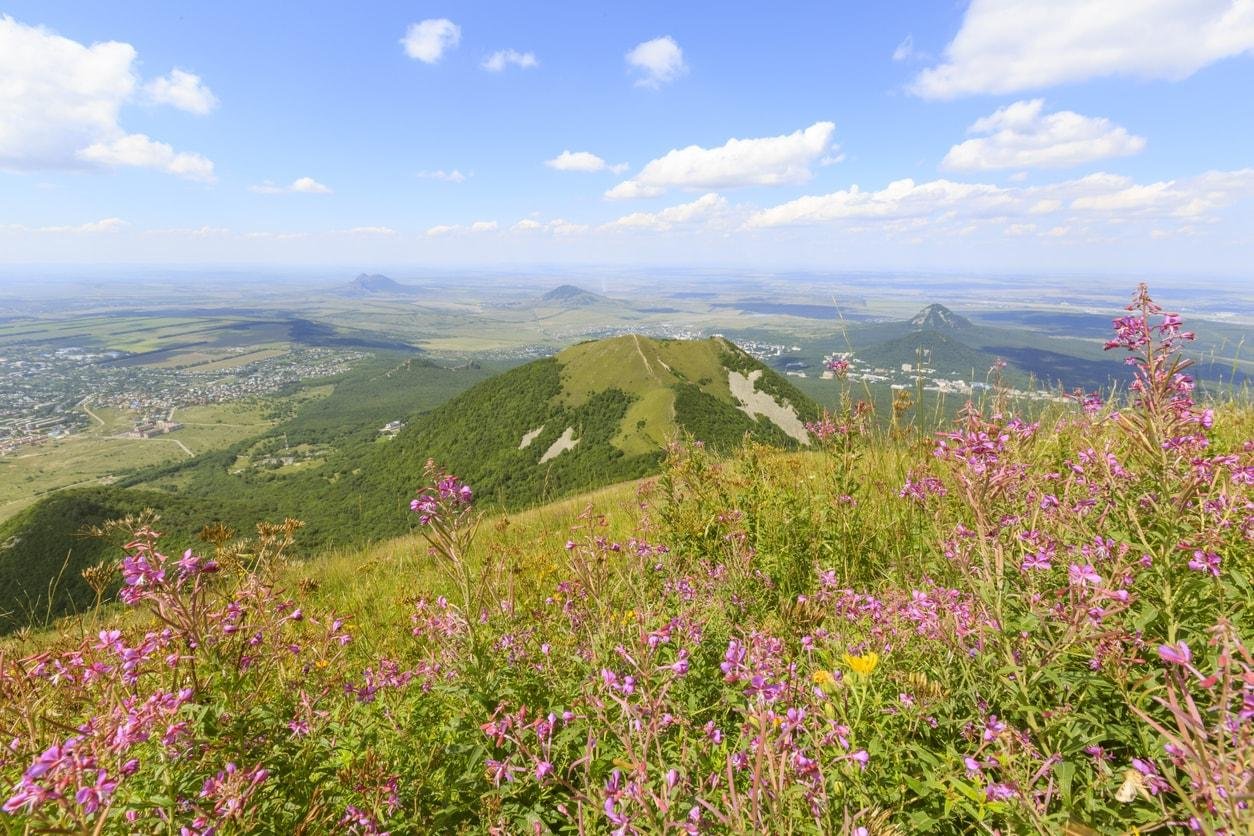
column 98, row 456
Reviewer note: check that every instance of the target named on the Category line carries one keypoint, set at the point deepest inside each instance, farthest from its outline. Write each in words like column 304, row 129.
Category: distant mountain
column 936, row 351
column 940, row 318
column 369, row 284
column 571, row 296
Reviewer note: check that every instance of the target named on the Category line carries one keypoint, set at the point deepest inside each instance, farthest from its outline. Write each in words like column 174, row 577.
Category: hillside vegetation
column 1007, row 627
column 598, row 413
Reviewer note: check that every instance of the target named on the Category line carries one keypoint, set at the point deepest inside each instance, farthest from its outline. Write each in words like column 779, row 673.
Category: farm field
column 99, row 455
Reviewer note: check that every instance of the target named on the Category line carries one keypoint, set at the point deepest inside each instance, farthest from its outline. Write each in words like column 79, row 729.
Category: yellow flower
column 824, row 679
column 864, row 664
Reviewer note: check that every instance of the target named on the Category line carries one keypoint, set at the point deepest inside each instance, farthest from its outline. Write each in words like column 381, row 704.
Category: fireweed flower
column 1083, row 575
column 838, row 366
column 1175, row 654
column 1204, row 561
column 449, row 496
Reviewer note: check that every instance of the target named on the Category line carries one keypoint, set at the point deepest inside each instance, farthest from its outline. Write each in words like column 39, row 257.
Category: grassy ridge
column 621, row 400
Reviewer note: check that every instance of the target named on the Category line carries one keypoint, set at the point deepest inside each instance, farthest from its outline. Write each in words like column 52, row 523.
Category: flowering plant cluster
column 1010, row 626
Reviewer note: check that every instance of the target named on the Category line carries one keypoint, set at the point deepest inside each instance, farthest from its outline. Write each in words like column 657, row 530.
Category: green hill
column 597, row 413
column 937, row 350
column 44, row 549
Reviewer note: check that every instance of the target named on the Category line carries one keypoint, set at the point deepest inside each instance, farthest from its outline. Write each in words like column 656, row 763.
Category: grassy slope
column 44, row 550
column 622, row 399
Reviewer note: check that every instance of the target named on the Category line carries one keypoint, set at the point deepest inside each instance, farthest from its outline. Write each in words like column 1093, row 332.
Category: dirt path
column 647, row 365
column 87, row 409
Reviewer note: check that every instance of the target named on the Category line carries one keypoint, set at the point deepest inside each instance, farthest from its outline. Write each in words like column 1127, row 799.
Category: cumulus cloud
column 703, row 208
column 1021, row 135
column 1098, row 196
column 301, row 185
column 503, row 58
column 183, row 90
column 1006, row 46
column 141, row 151
column 371, row 232
column 201, row 232
column 558, row 227
column 428, row 40
column 453, row 176
column 457, row 229
column 60, row 103
column 103, row 225
column 584, row 161
column 766, row 161
column 657, row 62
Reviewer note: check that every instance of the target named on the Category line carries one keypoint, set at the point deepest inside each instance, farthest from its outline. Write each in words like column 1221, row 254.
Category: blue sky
column 1117, row 141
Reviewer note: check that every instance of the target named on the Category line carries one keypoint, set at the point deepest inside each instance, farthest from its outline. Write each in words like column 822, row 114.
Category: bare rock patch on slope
column 754, row 403
column 566, row 441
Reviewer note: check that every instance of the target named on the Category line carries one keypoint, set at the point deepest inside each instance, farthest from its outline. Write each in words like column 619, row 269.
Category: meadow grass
column 1007, row 626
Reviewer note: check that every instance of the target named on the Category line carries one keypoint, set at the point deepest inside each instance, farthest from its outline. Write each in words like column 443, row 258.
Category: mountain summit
column 572, row 296
column 939, row 318
column 372, row 283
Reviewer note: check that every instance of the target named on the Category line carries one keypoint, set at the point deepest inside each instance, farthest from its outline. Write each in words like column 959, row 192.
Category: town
column 47, row 393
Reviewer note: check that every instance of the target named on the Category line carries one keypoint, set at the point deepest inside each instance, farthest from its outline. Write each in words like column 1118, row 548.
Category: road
column 87, row 409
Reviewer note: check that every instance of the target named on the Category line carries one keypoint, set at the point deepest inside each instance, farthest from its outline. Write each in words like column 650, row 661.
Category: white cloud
column 1193, row 197
column 457, row 229
column 301, row 185
column 659, row 61
column 1100, row 197
column 700, row 209
column 1006, row 46
column 186, row 232
column 276, row 236
column 899, row 199
column 183, row 90
column 427, row 41
column 371, row 232
column 583, row 161
column 141, row 151
column 561, row 227
column 833, row 156
column 453, row 176
column 558, row 227
column 503, row 58
column 1020, row 135
column 905, row 50
column 767, row 161
column 103, row 225
column 60, row 103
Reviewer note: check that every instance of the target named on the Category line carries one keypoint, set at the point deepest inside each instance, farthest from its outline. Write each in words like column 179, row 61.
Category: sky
column 999, row 135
